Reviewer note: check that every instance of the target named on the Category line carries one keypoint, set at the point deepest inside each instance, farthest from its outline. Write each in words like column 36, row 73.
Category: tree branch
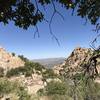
column 36, row 32
column 54, row 12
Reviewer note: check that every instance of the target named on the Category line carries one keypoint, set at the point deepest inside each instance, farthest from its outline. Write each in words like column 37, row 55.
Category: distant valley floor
column 50, row 62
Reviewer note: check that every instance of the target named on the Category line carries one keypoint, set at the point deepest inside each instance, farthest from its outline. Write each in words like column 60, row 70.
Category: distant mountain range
column 50, row 62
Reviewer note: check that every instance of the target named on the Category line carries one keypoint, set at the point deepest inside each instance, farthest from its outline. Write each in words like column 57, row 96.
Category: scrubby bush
column 1, row 72
column 30, row 66
column 38, row 67
column 7, row 87
column 92, row 91
column 49, row 73
column 85, row 90
column 15, row 72
column 22, row 93
column 23, row 58
column 55, row 87
column 26, row 70
column 41, row 92
column 13, row 54
column 59, row 97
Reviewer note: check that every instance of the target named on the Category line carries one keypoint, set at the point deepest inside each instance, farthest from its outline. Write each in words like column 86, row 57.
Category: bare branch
column 97, row 28
column 54, row 12
column 85, row 21
column 93, row 42
column 91, row 66
column 73, row 11
column 37, row 7
column 36, row 32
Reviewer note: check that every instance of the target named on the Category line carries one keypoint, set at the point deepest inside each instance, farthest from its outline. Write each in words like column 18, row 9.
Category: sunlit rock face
column 74, row 61
column 77, row 57
column 8, row 61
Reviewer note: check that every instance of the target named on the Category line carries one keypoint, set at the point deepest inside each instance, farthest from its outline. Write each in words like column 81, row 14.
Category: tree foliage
column 25, row 13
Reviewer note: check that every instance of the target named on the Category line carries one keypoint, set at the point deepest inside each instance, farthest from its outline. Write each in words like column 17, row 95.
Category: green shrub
column 54, row 87
column 59, row 97
column 23, row 58
column 7, row 87
column 27, row 70
column 23, row 94
column 15, row 72
column 28, row 73
column 49, row 73
column 41, row 92
column 12, row 72
column 38, row 67
column 86, row 90
column 1, row 72
column 13, row 54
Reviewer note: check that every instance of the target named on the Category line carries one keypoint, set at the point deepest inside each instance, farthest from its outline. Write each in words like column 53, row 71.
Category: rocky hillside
column 74, row 62
column 31, row 75
column 9, row 61
column 32, row 80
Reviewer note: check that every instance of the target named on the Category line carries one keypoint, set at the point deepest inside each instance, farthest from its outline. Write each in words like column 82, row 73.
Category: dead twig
column 36, row 32
column 54, row 12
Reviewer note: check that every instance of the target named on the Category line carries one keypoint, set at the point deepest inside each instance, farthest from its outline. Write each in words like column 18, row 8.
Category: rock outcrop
column 77, row 62
column 74, row 61
column 8, row 61
column 73, row 64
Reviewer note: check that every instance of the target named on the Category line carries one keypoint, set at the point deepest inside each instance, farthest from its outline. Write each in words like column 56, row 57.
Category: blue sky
column 71, row 33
